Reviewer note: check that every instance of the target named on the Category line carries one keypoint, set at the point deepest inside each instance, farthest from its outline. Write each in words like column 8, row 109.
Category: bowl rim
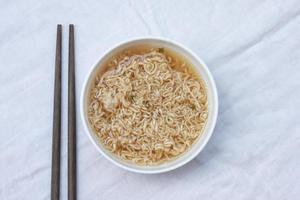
column 213, row 89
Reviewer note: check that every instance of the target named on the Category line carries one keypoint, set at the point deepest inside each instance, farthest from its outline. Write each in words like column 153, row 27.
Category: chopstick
column 71, row 119
column 56, row 129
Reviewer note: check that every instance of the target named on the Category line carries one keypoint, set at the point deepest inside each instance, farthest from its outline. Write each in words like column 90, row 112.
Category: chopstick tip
column 59, row 27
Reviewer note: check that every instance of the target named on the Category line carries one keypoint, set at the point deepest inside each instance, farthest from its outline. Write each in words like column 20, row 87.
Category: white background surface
column 252, row 49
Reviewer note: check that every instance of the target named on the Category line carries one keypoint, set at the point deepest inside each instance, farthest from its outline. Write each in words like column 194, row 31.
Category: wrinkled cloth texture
column 251, row 48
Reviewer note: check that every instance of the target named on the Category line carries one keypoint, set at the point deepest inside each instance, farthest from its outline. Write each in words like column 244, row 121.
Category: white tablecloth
column 252, row 49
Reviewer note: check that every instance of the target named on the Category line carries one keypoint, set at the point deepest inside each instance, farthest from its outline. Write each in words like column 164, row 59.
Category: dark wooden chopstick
column 56, row 135
column 71, row 119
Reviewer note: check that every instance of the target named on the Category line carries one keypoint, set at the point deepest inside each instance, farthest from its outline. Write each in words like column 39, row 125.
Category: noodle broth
column 147, row 105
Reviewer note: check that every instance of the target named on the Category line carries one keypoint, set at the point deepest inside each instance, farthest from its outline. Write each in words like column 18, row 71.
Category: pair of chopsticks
column 56, row 137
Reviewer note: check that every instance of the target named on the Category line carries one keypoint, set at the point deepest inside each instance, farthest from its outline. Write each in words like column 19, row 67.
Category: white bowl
column 212, row 106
